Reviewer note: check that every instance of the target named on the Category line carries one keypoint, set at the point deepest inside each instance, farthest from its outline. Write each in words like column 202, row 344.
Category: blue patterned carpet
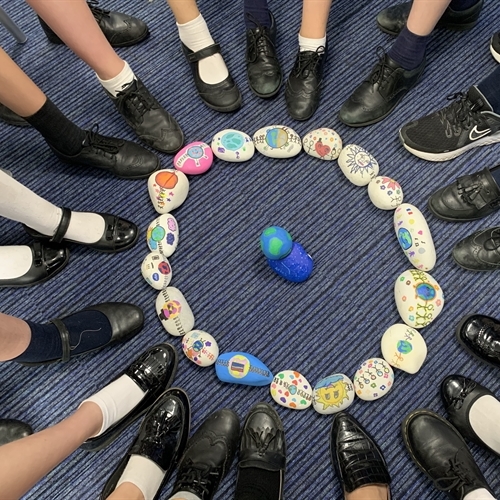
column 329, row 324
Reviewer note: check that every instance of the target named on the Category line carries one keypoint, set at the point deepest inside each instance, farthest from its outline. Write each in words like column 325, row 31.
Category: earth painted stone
column 242, row 368
column 156, row 270
column 163, row 235
column 277, row 141
column 385, row 193
column 275, row 242
column 174, row 312
column 419, row 298
column 195, row 158
column 167, row 189
column 297, row 266
column 333, row 394
column 200, row 347
column 357, row 164
column 414, row 237
column 403, row 347
column 232, row 145
column 322, row 143
column 373, row 379
column 292, row 390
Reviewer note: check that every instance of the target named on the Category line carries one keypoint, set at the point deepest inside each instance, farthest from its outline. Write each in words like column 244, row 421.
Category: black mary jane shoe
column 8, row 116
column 162, row 438
column 119, row 234
column 224, row 96
column 12, row 430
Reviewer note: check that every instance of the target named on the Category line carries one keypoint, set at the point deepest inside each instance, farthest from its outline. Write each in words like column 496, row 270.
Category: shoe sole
column 451, row 27
column 224, row 109
column 460, row 341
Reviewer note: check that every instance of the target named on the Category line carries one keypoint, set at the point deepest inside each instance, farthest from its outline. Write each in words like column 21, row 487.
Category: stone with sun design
column 333, row 394
column 358, row 165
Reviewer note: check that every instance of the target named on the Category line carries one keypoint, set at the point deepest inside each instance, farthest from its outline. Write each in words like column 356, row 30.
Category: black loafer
column 495, row 46
column 12, row 430
column 162, row 438
column 8, row 116
column 153, row 371
column 479, row 251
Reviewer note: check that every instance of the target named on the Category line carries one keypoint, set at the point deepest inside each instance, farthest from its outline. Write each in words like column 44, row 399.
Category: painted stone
column 373, row 379
column 414, row 236
column 333, row 394
column 357, row 164
column 297, row 266
column 232, row 145
column 403, row 347
column 174, row 312
column 195, row 158
column 156, row 270
column 242, row 368
column 168, row 189
column 277, row 141
column 385, row 193
column 200, row 347
column 275, row 242
column 292, row 390
column 163, row 235
column 322, row 143
column 419, row 298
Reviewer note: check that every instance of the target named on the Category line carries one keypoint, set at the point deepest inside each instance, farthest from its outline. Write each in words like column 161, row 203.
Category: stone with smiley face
column 333, row 394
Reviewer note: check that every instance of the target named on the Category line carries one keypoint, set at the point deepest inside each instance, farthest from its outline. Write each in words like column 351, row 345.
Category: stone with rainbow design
column 291, row 389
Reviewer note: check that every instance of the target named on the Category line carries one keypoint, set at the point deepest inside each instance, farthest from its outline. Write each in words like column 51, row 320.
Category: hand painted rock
column 233, row 145
column 163, row 235
column 174, row 312
column 333, row 394
column 373, row 379
column 297, row 266
column 156, row 270
column 385, row 193
column 195, row 158
column 292, row 390
column 242, row 368
column 403, row 347
column 322, row 143
column 200, row 347
column 277, row 141
column 419, row 298
column 275, row 242
column 167, row 189
column 357, row 164
column 414, row 237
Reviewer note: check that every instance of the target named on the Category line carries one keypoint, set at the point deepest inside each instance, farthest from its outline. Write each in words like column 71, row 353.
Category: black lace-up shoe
column 467, row 123
column 470, row 197
column 121, row 30
column 442, row 454
column 150, row 121
column 8, row 116
column 303, row 87
column 479, row 251
column 495, row 46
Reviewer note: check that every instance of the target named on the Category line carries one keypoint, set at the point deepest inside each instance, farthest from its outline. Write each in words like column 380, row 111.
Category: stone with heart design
column 277, row 141
column 242, row 368
column 200, row 347
column 322, row 143
column 291, row 389
column 233, row 146
column 373, row 379
column 174, row 312
column 156, row 270
column 167, row 189
column 195, row 158
column 403, row 347
column 357, row 164
column 385, row 193
column 333, row 394
column 162, row 235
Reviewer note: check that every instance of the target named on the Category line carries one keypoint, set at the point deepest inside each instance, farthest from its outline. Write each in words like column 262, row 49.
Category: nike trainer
column 467, row 123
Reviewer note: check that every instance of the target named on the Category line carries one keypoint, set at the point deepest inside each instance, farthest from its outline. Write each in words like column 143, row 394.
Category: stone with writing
column 174, row 312
column 322, row 143
column 403, row 347
column 162, row 235
column 195, row 158
column 333, row 394
column 385, row 193
column 168, row 189
column 357, row 164
column 291, row 389
column 297, row 266
column 373, row 379
column 277, row 141
column 242, row 368
column 233, row 146
column 200, row 347
column 156, row 270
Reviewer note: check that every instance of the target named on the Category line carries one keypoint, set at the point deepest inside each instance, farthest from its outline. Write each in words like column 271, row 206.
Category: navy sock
column 495, row 173
column 490, row 88
column 458, row 5
column 257, row 484
column 409, row 49
column 256, row 12
column 87, row 330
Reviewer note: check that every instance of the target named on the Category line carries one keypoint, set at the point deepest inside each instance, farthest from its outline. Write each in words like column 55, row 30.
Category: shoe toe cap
column 451, row 388
column 135, row 162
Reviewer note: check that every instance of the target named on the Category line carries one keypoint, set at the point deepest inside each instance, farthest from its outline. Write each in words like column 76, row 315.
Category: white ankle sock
column 120, row 81
column 195, row 35
column 184, row 495
column 15, row 261
column 143, row 473
column 479, row 494
column 484, row 417
column 311, row 44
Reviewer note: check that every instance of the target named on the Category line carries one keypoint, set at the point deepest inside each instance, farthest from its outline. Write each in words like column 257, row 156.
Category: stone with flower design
column 358, row 165
column 373, row 379
column 200, row 347
column 385, row 193
column 322, row 143
column 403, row 347
column 291, row 389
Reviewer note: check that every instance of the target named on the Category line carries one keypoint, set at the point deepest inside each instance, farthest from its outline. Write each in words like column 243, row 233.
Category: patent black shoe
column 495, row 46
column 152, row 124
column 479, row 251
column 8, row 116
column 380, row 93
column 12, row 430
column 303, row 87
column 121, row 30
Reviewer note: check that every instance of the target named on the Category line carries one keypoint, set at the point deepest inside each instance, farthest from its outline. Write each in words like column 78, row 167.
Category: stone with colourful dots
column 373, row 379
column 291, row 389
column 200, row 347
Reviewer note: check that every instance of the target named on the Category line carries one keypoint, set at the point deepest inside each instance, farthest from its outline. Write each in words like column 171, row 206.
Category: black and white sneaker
column 495, row 46
column 467, row 123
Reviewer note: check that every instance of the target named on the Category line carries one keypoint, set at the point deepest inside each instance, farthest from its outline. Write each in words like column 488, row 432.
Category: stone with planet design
column 414, row 236
column 167, row 189
column 297, row 266
column 162, row 235
column 200, row 347
column 277, row 141
column 357, row 164
column 403, row 347
column 373, row 379
column 233, row 145
column 322, row 143
column 291, row 389
column 242, row 368
column 385, row 193
column 333, row 394
column 174, row 312
column 195, row 158
column 275, row 242
column 419, row 298
column 156, row 270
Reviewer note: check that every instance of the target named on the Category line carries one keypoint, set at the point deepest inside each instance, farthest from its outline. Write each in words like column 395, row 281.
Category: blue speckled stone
column 297, row 266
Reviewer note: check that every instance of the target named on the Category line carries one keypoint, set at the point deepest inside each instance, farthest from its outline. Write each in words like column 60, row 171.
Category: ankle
column 370, row 492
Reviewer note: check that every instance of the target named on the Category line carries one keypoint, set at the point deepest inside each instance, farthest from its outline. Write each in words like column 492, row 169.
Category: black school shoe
column 12, row 430
column 495, row 46
column 8, row 116
column 479, row 251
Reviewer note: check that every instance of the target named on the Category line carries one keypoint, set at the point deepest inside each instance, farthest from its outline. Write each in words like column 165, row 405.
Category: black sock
column 458, row 5
column 60, row 132
column 409, row 49
column 256, row 12
column 257, row 484
column 87, row 330
column 490, row 88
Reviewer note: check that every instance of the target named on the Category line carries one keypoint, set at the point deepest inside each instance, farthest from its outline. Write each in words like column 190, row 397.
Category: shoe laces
column 460, row 114
column 198, row 477
column 457, row 475
column 382, row 71
column 493, row 242
column 136, row 100
column 262, row 438
column 98, row 12
column 307, row 61
column 261, row 40
column 470, row 186
column 102, row 145
column 458, row 400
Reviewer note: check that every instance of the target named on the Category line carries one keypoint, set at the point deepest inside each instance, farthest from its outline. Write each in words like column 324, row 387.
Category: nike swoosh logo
column 476, row 134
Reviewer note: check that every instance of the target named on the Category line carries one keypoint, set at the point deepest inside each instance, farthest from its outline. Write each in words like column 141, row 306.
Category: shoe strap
column 204, row 53
column 63, row 331
column 63, row 226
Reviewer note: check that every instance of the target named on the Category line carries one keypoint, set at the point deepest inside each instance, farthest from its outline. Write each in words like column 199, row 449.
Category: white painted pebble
column 322, row 143
column 403, row 347
column 167, row 189
column 232, row 145
column 373, row 379
column 357, row 164
column 385, row 193
column 200, row 347
column 156, row 270
column 163, row 235
column 291, row 389
column 277, row 141
column 174, row 312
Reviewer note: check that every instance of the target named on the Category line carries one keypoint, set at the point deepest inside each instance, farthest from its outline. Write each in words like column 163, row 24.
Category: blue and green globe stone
column 275, row 242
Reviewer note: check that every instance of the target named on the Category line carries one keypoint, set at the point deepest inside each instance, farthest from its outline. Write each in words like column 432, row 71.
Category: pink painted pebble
column 195, row 158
